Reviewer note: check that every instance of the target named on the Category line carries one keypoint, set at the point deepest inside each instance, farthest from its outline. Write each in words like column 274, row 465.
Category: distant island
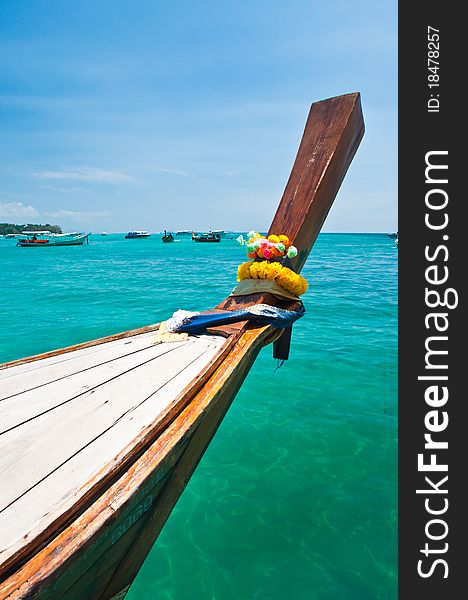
column 6, row 228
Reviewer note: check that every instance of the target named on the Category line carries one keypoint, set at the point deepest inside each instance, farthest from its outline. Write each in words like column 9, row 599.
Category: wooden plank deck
column 20, row 378
column 66, row 418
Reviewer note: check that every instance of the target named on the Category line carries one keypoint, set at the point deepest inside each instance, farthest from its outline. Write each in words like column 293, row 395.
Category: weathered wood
column 49, row 455
column 130, row 435
column 61, row 553
column 88, row 576
column 32, row 375
column 217, row 398
column 62, row 351
column 163, row 455
column 84, row 389
column 331, row 137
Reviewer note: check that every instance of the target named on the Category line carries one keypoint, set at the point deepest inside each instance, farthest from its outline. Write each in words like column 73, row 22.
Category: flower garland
column 274, row 246
column 270, row 251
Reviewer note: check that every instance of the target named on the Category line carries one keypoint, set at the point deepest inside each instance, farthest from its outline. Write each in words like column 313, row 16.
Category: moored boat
column 206, row 237
column 167, row 238
column 132, row 235
column 42, row 239
column 99, row 440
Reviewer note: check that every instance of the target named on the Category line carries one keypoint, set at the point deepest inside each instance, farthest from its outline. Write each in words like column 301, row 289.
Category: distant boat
column 184, row 232
column 167, row 237
column 137, row 235
column 393, row 235
column 206, row 237
column 36, row 239
column 104, row 233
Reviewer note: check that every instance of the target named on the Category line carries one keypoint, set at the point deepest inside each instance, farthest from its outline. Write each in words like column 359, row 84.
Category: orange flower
column 275, row 251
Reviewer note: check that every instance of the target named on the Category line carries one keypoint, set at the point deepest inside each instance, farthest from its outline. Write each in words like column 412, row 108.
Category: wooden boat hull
column 96, row 546
column 51, row 242
column 99, row 554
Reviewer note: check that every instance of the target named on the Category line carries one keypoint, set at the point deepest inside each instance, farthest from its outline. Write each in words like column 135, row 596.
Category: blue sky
column 153, row 114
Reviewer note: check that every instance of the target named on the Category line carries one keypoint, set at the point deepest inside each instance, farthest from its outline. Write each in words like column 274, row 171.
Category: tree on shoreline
column 6, row 228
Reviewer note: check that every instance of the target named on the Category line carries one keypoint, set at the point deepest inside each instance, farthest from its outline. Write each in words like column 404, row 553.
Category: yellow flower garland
column 286, row 278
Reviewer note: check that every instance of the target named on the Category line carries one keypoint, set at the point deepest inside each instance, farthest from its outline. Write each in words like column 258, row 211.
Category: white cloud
column 17, row 210
column 86, row 174
column 70, row 190
column 78, row 216
column 173, row 172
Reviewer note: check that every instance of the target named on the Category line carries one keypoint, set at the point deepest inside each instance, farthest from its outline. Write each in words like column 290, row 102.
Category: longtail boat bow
column 98, row 440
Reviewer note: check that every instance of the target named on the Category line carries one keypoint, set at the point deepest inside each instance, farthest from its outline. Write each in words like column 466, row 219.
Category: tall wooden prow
column 332, row 134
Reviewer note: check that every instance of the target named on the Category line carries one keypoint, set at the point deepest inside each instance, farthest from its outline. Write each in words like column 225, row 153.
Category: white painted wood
column 98, row 405
column 45, row 463
column 21, row 377
column 28, row 405
column 33, row 380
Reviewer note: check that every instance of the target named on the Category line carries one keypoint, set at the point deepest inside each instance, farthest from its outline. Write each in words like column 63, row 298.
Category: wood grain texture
column 217, row 398
column 75, row 391
column 331, row 137
column 97, row 342
column 44, row 462
column 115, row 462
column 40, row 576
column 17, row 379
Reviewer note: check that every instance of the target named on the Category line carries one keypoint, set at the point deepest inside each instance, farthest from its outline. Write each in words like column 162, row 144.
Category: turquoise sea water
column 296, row 496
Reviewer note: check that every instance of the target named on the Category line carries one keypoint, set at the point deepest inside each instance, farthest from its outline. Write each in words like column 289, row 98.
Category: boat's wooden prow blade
column 332, row 134
column 331, row 137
